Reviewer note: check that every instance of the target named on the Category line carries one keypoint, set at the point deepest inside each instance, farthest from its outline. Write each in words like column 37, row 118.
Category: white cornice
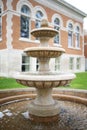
column 64, row 8
column 71, row 7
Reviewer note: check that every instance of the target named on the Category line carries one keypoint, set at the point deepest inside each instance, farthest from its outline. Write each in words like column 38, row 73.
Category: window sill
column 29, row 40
column 77, row 48
column 0, row 39
column 74, row 48
column 57, row 45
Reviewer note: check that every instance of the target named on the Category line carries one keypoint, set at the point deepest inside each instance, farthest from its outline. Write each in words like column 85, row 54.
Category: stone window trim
column 39, row 8
column 74, row 33
column 18, row 9
column 58, row 27
column 59, row 17
column 24, row 2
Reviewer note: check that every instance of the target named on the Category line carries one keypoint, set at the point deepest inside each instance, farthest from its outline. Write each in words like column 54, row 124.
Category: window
column 0, row 23
column 70, row 35
column 77, row 37
column 25, row 21
column 25, row 63
column 71, row 63
column 39, row 16
column 37, row 64
column 78, row 63
column 57, row 27
column 57, row 64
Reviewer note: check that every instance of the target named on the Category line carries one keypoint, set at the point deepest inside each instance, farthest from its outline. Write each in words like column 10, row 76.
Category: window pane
column 70, row 26
column 25, row 68
column 37, row 64
column 37, row 24
column 39, row 14
column 24, row 26
column 70, row 39
column 25, row 63
column 71, row 63
column 25, row 59
column 57, row 27
column 25, row 10
column 77, row 40
column 57, row 21
column 57, row 64
column 77, row 36
column 56, row 39
column 77, row 29
column 78, row 63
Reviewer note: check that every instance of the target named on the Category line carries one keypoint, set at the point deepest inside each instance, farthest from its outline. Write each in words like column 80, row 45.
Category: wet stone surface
column 15, row 116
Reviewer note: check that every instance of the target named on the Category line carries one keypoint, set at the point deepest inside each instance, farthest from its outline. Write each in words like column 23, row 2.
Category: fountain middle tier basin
column 44, row 81
column 46, row 52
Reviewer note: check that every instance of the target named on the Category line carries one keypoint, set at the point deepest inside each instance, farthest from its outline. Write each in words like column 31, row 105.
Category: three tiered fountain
column 44, row 108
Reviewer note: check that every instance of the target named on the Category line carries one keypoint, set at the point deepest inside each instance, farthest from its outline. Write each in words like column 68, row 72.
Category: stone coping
column 12, row 92
column 75, row 95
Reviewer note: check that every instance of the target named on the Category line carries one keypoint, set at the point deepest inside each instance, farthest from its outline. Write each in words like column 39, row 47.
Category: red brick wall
column 3, row 42
column 85, row 46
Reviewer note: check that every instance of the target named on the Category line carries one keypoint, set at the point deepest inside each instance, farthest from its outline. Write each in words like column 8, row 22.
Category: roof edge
column 72, row 7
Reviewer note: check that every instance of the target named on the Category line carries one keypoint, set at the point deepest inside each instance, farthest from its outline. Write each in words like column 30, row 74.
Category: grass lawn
column 80, row 82
column 9, row 83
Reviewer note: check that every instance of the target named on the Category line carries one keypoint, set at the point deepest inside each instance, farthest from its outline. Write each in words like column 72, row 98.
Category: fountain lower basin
column 44, row 106
column 72, row 116
column 44, row 81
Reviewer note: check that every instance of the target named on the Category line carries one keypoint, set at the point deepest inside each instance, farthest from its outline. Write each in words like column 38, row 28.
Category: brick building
column 19, row 17
column 85, row 48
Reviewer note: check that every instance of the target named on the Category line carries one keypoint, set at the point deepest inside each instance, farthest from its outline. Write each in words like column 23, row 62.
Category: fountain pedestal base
column 43, row 119
column 43, row 112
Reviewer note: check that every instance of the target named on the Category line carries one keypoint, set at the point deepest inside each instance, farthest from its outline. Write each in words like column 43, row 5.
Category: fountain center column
column 44, row 97
column 44, row 62
column 43, row 65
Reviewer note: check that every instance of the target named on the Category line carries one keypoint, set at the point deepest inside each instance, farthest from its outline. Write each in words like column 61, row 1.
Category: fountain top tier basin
column 48, row 52
column 44, row 31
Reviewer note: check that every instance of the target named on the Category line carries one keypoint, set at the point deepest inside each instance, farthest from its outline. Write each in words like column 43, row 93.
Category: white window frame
column 77, row 37
column 37, row 64
column 57, row 27
column 61, row 26
column 38, row 19
column 71, row 63
column 57, row 64
column 78, row 63
column 70, row 30
column 28, row 17
column 25, row 64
